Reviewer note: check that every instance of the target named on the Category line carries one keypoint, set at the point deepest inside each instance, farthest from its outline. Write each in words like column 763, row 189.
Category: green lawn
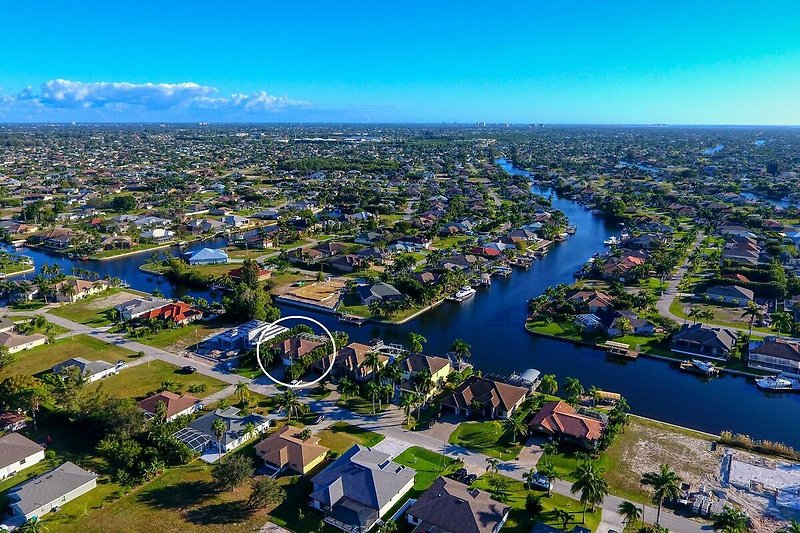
column 360, row 405
column 723, row 315
column 487, row 437
column 44, row 357
column 341, row 436
column 520, row 521
column 142, row 247
column 86, row 311
column 26, row 306
column 143, row 380
column 50, row 328
column 569, row 331
column 12, row 268
column 449, row 242
column 428, row 465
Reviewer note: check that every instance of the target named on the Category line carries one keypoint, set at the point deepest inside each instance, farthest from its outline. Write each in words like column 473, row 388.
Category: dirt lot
column 112, row 300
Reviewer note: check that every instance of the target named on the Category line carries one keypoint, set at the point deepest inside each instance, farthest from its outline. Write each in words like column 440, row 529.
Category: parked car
column 319, row 419
column 460, row 474
column 540, row 482
column 470, row 479
column 189, row 369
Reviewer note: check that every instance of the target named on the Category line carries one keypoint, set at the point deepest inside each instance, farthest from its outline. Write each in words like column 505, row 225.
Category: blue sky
column 604, row 61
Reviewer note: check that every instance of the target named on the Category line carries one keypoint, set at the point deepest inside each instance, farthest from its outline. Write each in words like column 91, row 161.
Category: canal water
column 492, row 323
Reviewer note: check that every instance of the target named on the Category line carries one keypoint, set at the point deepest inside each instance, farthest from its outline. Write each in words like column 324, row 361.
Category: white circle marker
column 298, row 385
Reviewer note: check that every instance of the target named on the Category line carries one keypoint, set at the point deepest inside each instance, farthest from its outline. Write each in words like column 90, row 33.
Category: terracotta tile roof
column 560, row 418
column 286, row 447
column 175, row 403
column 487, row 391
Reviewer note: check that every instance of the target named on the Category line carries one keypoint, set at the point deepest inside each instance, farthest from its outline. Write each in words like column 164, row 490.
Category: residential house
column 199, row 434
column 775, row 355
column 593, row 300
column 12, row 422
column 439, row 368
column 157, row 235
column 729, row 294
column 350, row 359
column 16, row 342
column 207, row 256
column 561, row 421
column 485, row 396
column 180, row 313
column 247, row 335
column 139, row 307
column 90, row 370
column 176, row 405
column 263, row 273
column 18, row 453
column 49, row 491
column 74, row 289
column 295, row 347
column 378, row 292
column 704, row 341
column 358, row 488
column 448, row 506
column 286, row 450
column 349, row 263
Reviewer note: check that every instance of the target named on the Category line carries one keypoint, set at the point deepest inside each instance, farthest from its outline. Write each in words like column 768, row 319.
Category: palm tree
column 34, row 525
column 665, row 483
column 388, row 391
column 461, row 349
column 573, row 388
column 514, row 426
column 492, row 464
column 423, row 382
column 528, row 477
column 415, row 342
column 242, row 392
column 250, row 429
column 782, row 322
column 630, row 513
column 407, row 402
column 549, row 384
column 792, row 527
column 753, row 312
column 348, row 388
column 392, row 373
column 218, row 427
column 561, row 515
column 731, row 520
column 289, row 402
column 693, row 313
column 591, row 485
column 373, row 391
column 372, row 361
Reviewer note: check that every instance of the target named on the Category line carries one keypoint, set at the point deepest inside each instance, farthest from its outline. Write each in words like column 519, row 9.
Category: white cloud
column 105, row 99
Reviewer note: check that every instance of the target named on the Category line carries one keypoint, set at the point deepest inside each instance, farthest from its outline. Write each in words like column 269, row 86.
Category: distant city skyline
column 576, row 62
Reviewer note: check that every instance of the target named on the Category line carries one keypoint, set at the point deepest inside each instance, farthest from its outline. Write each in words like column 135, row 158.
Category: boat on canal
column 612, row 241
column 463, row 294
column 349, row 318
column 698, row 366
column 778, row 383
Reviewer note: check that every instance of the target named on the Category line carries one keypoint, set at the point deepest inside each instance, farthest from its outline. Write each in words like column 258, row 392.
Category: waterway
column 492, row 323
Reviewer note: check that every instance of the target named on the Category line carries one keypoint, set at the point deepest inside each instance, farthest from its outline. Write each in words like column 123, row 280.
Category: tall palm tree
column 250, row 429
column 407, row 402
column 423, row 382
column 546, row 468
column 561, row 515
column 218, row 427
column 591, row 485
column 630, row 513
column 242, row 392
column 348, row 388
column 415, row 342
column 372, row 361
column 514, row 426
column 573, row 388
column 693, row 313
column 549, row 384
column 753, row 312
column 492, row 464
column 392, row 373
column 665, row 483
column 461, row 349
column 528, row 477
column 374, row 392
column 289, row 402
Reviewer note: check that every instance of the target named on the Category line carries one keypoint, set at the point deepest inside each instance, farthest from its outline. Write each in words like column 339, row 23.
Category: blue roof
column 209, row 253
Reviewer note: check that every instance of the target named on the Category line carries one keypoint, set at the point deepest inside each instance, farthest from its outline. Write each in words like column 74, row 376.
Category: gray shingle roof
column 14, row 447
column 50, row 486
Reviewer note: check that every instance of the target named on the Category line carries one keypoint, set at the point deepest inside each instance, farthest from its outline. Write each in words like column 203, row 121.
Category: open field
column 143, row 380
column 569, row 331
column 179, row 339
column 341, row 436
column 428, row 465
column 44, row 357
column 97, row 309
column 487, row 437
column 723, row 315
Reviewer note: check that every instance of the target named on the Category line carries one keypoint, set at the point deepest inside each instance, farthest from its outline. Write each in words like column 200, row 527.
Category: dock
column 348, row 318
column 619, row 349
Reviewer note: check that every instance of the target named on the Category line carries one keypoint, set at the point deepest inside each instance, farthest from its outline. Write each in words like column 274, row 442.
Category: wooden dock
column 619, row 349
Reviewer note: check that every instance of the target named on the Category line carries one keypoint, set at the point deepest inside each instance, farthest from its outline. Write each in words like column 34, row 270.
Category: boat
column 699, row 367
column 612, row 241
column 777, row 383
column 348, row 318
column 464, row 293
column 571, row 230
column 501, row 270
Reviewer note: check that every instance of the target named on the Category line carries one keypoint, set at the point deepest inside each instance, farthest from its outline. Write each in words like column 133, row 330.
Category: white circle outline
column 294, row 317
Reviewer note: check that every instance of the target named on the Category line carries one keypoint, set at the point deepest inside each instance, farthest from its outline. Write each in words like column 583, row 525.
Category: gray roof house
column 452, row 507
column 200, row 436
column 703, row 340
column 359, row 487
column 51, row 490
column 730, row 294
column 378, row 292
column 139, row 306
column 17, row 453
column 91, row 370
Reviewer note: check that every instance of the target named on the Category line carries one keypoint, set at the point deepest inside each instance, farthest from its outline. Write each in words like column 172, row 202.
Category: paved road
column 388, row 423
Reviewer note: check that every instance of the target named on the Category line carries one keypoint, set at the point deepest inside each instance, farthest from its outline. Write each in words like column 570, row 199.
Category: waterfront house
column 176, row 405
column 18, row 453
column 358, row 488
column 775, row 355
column 157, row 235
column 90, row 370
column 349, row 361
column 729, row 294
column 207, row 256
column 74, row 289
column 296, row 347
column 180, row 313
column 593, row 300
column 486, row 397
column 703, row 340
column 448, row 506
column 50, row 491
column 287, row 450
column 561, row 421
column 245, row 336
column 263, row 273
column 439, row 368
column 199, row 435
column 378, row 292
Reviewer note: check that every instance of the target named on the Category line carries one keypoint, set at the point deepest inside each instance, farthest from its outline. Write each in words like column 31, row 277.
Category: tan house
column 16, row 342
column 439, row 368
column 485, row 397
column 350, row 361
column 74, row 289
column 285, row 450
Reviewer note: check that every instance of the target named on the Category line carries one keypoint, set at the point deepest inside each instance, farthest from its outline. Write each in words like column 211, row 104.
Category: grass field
column 44, row 357
column 26, row 306
column 142, row 247
column 143, row 380
column 487, row 437
column 341, row 436
column 91, row 310
column 723, row 315
column 428, row 465
column 569, row 331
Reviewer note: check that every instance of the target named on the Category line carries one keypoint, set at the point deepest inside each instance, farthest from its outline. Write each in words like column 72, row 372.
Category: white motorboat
column 464, row 293
column 777, row 383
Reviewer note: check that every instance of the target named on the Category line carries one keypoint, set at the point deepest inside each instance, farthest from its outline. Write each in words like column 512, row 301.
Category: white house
column 91, row 370
column 51, row 490
column 18, row 453
column 200, row 436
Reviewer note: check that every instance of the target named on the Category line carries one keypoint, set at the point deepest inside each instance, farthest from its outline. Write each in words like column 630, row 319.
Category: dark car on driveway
column 189, row 369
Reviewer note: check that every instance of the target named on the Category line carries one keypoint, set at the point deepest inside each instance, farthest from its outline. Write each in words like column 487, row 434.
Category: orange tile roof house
column 285, row 450
column 296, row 347
column 178, row 312
column 177, row 404
column 452, row 507
column 490, row 397
column 561, row 421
